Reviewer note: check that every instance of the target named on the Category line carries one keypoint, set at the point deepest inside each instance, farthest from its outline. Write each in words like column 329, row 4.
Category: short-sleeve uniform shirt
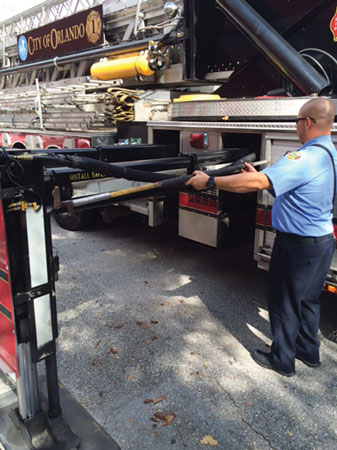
column 303, row 184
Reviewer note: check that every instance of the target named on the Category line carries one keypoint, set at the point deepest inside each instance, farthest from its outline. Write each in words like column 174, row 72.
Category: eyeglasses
column 303, row 118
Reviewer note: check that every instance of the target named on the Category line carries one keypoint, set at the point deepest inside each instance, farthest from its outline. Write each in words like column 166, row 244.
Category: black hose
column 274, row 47
column 234, row 167
column 12, row 165
column 109, row 170
column 179, row 182
column 112, row 170
column 167, row 181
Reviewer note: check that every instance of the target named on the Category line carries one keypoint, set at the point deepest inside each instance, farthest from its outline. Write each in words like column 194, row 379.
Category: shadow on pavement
column 144, row 313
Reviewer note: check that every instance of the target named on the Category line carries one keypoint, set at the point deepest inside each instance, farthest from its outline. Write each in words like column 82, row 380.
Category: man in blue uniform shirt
column 303, row 184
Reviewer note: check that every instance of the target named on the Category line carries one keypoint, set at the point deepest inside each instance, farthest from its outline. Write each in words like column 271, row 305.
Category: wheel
column 75, row 221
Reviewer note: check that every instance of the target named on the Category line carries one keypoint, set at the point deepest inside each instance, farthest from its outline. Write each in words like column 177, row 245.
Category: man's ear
column 307, row 122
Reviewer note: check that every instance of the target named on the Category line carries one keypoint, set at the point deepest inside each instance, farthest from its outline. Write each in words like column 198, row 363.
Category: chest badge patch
column 294, row 155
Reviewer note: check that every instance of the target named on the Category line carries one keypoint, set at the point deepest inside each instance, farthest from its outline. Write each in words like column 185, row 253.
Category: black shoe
column 261, row 358
column 307, row 363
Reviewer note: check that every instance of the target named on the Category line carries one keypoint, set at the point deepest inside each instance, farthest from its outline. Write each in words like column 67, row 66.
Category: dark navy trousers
column 297, row 273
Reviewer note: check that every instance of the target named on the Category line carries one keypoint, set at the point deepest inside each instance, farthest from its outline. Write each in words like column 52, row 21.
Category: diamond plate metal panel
column 243, row 109
column 225, row 126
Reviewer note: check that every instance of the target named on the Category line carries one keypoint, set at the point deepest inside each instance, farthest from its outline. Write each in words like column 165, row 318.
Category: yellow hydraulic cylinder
column 125, row 67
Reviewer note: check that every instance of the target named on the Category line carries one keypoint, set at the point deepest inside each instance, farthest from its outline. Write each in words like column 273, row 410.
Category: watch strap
column 210, row 183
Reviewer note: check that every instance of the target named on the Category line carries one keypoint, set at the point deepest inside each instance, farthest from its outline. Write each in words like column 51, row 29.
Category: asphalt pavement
column 155, row 335
column 155, row 339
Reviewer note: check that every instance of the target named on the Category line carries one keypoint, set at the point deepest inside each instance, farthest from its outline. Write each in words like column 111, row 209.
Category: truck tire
column 76, row 221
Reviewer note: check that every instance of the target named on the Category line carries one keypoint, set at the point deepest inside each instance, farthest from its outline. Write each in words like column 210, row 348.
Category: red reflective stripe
column 263, row 217
column 199, row 202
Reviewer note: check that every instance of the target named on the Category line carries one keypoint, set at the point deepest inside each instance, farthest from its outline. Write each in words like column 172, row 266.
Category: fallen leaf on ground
column 142, row 325
column 148, row 400
column 160, row 414
column 100, row 393
column 154, row 338
column 290, row 434
column 168, row 420
column 208, row 440
column 154, row 321
column 159, row 399
column 167, row 417
column 246, row 404
column 128, row 377
column 205, row 365
column 112, row 351
column 130, row 420
column 154, row 419
column 230, row 362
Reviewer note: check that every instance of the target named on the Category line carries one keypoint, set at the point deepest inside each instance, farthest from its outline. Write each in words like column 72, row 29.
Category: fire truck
column 107, row 106
column 166, row 86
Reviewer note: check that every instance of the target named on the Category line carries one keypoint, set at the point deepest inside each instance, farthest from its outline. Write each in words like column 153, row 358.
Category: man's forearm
column 243, row 182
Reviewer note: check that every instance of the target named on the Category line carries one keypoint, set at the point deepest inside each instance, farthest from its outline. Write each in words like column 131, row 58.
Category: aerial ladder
column 261, row 62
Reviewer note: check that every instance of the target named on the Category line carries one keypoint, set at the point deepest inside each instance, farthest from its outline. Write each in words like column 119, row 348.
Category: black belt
column 297, row 238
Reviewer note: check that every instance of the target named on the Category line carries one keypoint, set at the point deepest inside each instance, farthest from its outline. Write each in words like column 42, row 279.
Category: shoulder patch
column 294, row 155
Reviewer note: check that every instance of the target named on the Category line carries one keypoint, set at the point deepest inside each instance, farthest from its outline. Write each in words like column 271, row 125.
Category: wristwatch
column 210, row 183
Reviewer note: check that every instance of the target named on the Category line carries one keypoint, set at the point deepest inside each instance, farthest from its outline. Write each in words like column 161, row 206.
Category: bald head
column 322, row 110
column 316, row 119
